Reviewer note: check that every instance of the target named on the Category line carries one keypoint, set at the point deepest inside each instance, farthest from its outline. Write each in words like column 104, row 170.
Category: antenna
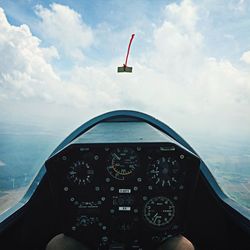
column 125, row 68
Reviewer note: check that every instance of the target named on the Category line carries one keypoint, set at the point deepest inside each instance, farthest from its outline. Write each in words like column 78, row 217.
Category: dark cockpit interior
column 126, row 180
column 123, row 182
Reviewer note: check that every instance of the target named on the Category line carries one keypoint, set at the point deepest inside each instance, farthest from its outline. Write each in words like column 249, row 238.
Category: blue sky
column 225, row 24
column 191, row 62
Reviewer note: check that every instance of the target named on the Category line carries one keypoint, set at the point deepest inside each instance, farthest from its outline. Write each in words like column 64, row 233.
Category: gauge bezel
column 87, row 162
column 149, row 221
column 112, row 166
column 172, row 180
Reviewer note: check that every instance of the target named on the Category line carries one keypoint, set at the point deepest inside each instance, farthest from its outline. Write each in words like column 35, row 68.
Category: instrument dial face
column 123, row 162
column 159, row 211
column 81, row 172
column 164, row 172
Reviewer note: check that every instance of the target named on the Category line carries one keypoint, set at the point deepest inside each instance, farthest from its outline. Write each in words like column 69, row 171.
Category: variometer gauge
column 80, row 172
column 164, row 172
column 122, row 163
column 159, row 211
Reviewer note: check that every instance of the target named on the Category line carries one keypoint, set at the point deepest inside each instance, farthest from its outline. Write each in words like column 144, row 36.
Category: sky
column 190, row 59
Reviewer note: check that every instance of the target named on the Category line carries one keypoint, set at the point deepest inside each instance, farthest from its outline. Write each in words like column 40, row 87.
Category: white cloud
column 179, row 82
column 24, row 71
column 98, row 84
column 27, row 73
column 2, row 163
column 183, row 15
column 246, row 57
column 65, row 28
column 239, row 6
column 175, row 80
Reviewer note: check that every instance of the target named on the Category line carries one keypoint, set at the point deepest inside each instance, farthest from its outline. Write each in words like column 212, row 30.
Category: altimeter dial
column 80, row 172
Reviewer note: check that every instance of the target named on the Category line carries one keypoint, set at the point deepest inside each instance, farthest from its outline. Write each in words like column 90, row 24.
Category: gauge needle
column 116, row 156
column 155, row 217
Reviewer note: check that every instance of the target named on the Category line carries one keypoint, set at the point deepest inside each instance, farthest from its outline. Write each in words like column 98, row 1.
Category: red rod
column 131, row 39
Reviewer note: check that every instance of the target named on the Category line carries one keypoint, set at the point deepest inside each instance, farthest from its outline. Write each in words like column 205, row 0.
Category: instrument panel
column 132, row 194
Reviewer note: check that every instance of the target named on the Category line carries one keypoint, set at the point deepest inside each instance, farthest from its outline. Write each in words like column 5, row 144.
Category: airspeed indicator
column 123, row 162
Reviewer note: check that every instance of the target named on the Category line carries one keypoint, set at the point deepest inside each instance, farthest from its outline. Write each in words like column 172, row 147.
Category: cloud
column 177, row 44
column 2, row 163
column 65, row 28
column 246, row 57
column 27, row 73
column 174, row 79
column 24, row 70
column 183, row 15
column 179, row 82
column 240, row 6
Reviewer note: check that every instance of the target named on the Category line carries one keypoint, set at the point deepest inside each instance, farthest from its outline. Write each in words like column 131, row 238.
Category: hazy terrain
column 229, row 161
column 23, row 149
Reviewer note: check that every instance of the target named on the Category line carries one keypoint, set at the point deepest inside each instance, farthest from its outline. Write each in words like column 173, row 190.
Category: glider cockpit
column 123, row 182
column 125, row 179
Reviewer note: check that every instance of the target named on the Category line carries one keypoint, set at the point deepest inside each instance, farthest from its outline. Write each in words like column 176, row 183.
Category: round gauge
column 123, row 162
column 159, row 211
column 80, row 172
column 164, row 172
column 85, row 220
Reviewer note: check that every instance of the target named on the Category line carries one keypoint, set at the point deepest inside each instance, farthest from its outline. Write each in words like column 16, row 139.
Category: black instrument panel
column 132, row 194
